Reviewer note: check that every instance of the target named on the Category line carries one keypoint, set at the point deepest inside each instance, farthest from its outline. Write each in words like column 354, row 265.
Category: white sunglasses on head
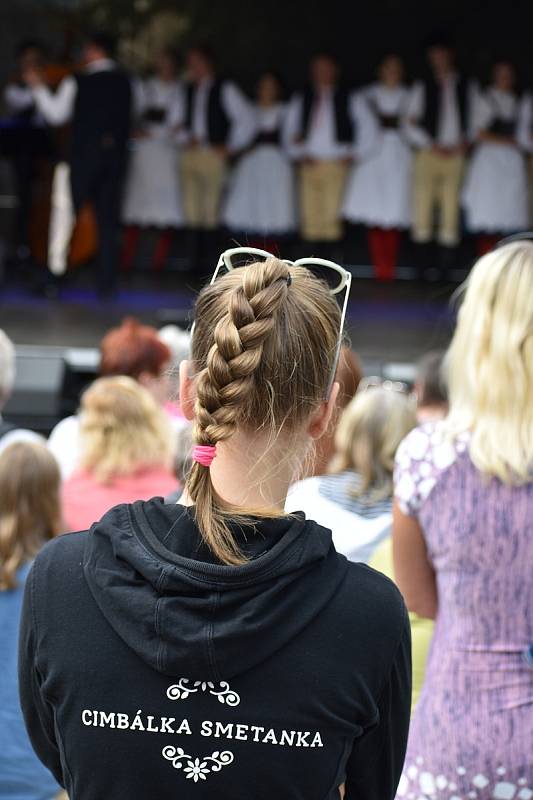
column 333, row 275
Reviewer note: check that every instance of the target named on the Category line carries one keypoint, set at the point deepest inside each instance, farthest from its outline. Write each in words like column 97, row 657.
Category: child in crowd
column 126, row 451
column 30, row 515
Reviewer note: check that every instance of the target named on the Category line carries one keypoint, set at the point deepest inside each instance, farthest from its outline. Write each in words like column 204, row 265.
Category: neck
column 247, row 473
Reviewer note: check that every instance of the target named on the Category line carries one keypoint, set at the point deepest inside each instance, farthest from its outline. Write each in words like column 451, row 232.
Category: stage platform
column 386, row 322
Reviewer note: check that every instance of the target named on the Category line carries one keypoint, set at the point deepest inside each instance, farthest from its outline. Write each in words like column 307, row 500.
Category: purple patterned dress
column 471, row 734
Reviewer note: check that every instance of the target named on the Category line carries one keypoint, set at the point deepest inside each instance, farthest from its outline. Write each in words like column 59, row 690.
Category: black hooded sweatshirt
column 149, row 671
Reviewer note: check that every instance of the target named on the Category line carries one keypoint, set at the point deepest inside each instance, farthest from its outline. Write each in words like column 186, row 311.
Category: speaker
column 36, row 399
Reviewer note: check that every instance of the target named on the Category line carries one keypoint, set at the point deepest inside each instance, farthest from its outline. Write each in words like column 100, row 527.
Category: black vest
column 218, row 122
column 432, row 105
column 102, row 114
column 344, row 131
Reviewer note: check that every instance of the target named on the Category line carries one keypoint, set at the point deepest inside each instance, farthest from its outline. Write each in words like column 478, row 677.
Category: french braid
column 252, row 328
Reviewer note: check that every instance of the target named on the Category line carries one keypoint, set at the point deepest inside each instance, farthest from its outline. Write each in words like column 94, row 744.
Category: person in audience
column 348, row 376
column 231, row 650
column 130, row 349
column 24, row 141
column 97, row 102
column 495, row 194
column 261, row 199
column 30, row 515
column 179, row 343
column 378, row 193
column 438, row 128
column 216, row 126
column 126, row 451
column 320, row 135
column 525, row 137
column 152, row 195
column 355, row 498
column 463, row 546
column 10, row 433
column 430, row 387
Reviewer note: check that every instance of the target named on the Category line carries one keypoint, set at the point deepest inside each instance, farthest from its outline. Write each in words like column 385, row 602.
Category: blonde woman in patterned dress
column 463, row 548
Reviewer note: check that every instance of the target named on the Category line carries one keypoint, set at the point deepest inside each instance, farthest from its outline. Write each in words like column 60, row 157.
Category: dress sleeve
column 413, row 475
column 38, row 714
column 239, row 110
column 292, row 126
column 375, row 765
column 366, row 127
column 57, row 108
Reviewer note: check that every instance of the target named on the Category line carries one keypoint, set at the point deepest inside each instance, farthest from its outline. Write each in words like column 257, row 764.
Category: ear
column 321, row 418
column 187, row 392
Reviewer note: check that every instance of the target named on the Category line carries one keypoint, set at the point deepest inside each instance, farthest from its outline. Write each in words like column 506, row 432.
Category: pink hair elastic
column 204, row 454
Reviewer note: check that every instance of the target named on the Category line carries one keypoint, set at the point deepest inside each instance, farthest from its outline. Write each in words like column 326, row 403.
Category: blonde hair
column 122, row 429
column 490, row 364
column 370, row 429
column 264, row 352
column 30, row 512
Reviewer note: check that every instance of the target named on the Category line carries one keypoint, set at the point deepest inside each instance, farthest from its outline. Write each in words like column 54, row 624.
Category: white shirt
column 320, row 143
column 449, row 133
column 19, row 99
column 354, row 536
column 234, row 104
column 525, row 123
column 57, row 107
column 168, row 95
column 449, row 128
column 492, row 104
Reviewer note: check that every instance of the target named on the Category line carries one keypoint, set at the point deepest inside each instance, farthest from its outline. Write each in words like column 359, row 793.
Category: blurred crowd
column 435, row 477
column 184, row 149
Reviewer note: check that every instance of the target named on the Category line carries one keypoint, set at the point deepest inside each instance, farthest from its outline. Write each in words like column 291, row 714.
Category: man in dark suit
column 97, row 101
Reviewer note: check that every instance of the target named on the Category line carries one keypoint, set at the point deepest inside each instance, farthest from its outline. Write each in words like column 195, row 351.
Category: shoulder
column 61, row 552
column 423, row 456
column 65, row 427
column 308, row 487
column 378, row 602
column 14, row 435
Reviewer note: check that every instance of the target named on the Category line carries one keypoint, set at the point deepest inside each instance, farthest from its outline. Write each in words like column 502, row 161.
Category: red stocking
column 129, row 248
column 377, row 244
column 393, row 239
column 162, row 249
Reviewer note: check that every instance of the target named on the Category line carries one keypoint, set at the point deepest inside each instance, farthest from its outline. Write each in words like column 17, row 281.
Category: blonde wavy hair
column 263, row 352
column 490, row 364
column 370, row 429
column 122, row 429
column 30, row 511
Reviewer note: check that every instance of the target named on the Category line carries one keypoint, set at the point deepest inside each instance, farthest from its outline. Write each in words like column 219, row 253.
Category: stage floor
column 390, row 322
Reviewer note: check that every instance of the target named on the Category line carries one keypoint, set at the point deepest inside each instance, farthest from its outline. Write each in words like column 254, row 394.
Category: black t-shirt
column 149, row 670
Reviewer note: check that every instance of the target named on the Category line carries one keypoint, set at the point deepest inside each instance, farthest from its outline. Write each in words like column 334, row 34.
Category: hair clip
column 289, row 279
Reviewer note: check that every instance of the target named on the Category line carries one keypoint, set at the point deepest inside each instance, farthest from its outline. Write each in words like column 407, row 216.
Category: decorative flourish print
column 183, row 688
column 197, row 768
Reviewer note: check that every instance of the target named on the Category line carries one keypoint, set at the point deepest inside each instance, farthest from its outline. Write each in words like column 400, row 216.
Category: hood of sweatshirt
column 182, row 612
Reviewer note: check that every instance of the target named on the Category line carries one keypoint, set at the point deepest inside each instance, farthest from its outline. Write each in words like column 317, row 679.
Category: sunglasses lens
column 243, row 259
column 327, row 275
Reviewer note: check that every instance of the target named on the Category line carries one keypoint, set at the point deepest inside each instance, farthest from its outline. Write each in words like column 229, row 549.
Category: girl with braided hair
column 218, row 647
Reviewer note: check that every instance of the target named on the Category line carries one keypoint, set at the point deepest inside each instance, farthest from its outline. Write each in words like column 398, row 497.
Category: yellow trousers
column 203, row 172
column 437, row 184
column 321, row 190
